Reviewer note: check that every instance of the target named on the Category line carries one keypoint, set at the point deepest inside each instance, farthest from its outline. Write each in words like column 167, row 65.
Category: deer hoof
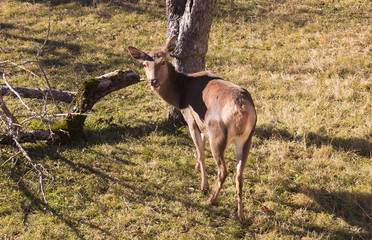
column 205, row 188
column 212, row 200
column 241, row 214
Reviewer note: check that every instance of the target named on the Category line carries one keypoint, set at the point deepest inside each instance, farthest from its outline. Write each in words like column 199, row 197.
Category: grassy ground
column 308, row 67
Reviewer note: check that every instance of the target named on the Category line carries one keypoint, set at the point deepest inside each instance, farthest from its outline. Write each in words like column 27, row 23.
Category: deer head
column 155, row 63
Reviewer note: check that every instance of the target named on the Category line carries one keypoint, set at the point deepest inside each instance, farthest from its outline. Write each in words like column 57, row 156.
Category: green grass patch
column 308, row 67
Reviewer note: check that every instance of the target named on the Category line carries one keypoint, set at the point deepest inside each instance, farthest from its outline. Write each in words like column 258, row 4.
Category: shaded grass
column 308, row 67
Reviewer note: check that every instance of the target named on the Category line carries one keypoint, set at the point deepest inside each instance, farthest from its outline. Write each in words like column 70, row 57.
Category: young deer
column 213, row 108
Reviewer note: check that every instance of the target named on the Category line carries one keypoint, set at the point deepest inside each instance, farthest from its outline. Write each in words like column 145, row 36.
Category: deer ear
column 136, row 54
column 171, row 45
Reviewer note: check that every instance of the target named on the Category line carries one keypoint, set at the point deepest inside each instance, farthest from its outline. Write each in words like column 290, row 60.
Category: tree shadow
column 359, row 146
column 72, row 223
column 298, row 15
column 73, row 48
column 37, row 204
column 110, row 135
column 55, row 58
column 115, row 134
column 126, row 5
column 6, row 25
column 353, row 208
column 82, row 2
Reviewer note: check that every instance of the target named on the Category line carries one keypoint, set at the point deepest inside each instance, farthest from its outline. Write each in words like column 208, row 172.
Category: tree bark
column 190, row 21
column 31, row 136
column 63, row 96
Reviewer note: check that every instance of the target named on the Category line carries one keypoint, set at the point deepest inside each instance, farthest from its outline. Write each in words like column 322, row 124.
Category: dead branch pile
column 19, row 111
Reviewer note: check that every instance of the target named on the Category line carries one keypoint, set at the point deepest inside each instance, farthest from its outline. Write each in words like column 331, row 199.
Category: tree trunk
column 190, row 21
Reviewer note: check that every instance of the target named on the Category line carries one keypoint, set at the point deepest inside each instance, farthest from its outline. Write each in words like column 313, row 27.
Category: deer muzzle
column 154, row 83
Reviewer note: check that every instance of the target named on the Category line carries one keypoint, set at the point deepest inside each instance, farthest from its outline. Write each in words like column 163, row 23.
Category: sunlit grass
column 308, row 67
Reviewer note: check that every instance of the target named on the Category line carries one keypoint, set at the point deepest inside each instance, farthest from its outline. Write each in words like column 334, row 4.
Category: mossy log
column 89, row 93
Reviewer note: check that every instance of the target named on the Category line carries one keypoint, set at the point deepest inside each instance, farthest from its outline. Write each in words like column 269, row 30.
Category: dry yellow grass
column 309, row 175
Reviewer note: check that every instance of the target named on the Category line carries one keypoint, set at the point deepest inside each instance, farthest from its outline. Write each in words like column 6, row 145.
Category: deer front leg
column 199, row 141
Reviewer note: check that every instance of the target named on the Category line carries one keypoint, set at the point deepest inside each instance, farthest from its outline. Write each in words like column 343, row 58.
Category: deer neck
column 170, row 90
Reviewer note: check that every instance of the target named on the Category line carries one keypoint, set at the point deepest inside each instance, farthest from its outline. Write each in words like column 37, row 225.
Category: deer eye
column 144, row 65
column 162, row 62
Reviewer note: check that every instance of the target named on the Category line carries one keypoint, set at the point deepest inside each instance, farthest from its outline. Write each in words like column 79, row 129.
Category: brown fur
column 204, row 74
column 213, row 108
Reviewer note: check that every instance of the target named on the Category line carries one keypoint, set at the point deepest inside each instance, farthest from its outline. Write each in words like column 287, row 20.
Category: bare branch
column 11, row 158
column 11, row 119
column 16, row 93
column 21, row 66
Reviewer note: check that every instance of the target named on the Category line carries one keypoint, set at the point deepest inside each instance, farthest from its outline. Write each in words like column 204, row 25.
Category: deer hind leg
column 218, row 142
column 197, row 165
column 199, row 141
column 242, row 151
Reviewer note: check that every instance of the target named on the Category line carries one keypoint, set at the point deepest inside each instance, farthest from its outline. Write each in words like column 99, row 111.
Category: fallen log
column 72, row 126
column 31, row 136
column 58, row 95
